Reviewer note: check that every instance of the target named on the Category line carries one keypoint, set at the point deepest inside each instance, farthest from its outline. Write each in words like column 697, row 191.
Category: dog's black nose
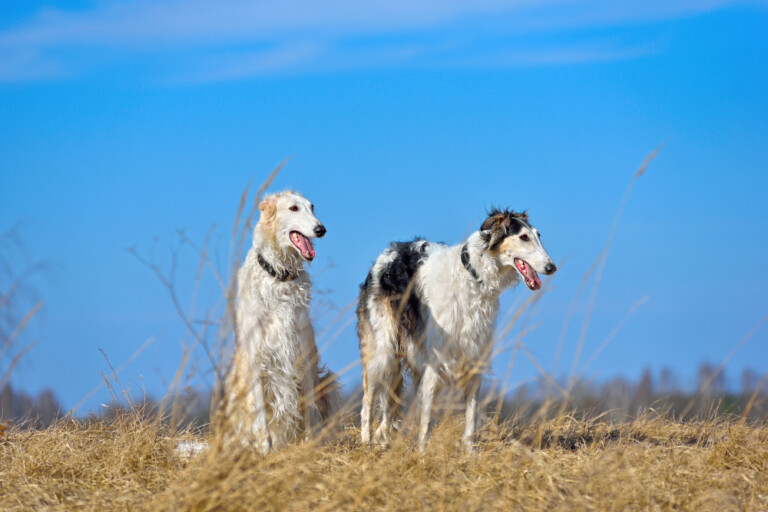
column 550, row 269
column 319, row 230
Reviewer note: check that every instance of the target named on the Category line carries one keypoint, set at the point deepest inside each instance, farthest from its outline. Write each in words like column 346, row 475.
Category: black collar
column 281, row 276
column 467, row 265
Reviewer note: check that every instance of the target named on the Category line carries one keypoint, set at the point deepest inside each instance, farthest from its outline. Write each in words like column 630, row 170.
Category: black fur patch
column 398, row 273
column 396, row 277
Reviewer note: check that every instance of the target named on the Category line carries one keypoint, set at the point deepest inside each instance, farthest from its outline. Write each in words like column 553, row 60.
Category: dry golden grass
column 128, row 463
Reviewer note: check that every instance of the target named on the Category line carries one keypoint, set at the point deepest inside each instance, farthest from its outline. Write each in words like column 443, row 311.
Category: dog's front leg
column 311, row 412
column 471, row 395
column 260, row 422
column 427, row 392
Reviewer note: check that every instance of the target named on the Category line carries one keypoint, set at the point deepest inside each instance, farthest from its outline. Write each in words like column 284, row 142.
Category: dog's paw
column 382, row 438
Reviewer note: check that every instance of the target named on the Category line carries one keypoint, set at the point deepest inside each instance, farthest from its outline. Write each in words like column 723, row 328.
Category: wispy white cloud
column 236, row 65
column 297, row 35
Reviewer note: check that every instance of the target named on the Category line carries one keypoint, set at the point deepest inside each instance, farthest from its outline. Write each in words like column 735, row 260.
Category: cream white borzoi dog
column 430, row 309
column 277, row 391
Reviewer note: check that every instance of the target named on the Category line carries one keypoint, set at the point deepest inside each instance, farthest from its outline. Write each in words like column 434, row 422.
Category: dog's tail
column 329, row 398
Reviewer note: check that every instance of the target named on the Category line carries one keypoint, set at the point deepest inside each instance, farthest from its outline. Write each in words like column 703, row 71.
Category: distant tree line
column 39, row 411
column 614, row 400
column 619, row 399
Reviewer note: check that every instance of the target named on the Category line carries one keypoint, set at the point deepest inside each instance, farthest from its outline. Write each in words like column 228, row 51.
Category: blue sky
column 121, row 121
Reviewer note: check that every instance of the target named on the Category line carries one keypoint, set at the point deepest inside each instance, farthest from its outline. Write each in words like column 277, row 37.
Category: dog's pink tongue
column 306, row 247
column 531, row 277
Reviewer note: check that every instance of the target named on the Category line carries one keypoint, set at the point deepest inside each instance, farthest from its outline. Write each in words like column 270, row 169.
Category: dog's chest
column 274, row 309
column 460, row 308
column 460, row 320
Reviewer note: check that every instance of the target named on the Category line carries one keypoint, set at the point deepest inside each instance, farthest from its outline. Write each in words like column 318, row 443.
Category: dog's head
column 289, row 219
column 510, row 237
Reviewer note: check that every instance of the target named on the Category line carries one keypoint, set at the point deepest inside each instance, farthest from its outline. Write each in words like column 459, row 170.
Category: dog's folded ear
column 494, row 229
column 268, row 209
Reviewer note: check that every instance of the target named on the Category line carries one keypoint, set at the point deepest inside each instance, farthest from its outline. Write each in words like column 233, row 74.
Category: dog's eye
column 294, row 208
column 524, row 238
column 312, row 207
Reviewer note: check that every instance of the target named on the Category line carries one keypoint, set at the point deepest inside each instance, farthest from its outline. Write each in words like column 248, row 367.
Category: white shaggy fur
column 448, row 335
column 276, row 390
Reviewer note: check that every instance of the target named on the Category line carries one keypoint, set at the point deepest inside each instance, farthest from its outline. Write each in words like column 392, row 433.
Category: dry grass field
column 128, row 463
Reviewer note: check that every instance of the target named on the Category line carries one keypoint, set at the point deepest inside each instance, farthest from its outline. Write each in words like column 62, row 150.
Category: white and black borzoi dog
column 276, row 389
column 430, row 309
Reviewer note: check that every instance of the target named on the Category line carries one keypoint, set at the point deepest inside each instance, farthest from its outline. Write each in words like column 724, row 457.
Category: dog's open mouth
column 303, row 244
column 530, row 276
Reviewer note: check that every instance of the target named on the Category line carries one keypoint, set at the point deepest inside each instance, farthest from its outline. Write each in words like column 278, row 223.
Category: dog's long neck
column 494, row 277
column 282, row 260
